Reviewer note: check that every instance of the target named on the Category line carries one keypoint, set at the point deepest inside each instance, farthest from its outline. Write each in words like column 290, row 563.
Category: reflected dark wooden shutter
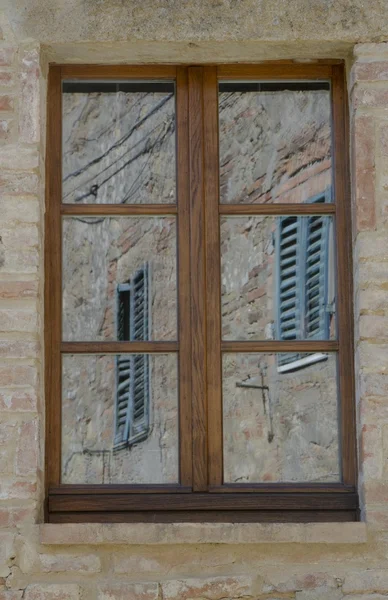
column 123, row 367
column 139, row 422
column 289, row 282
column 132, row 389
column 316, row 315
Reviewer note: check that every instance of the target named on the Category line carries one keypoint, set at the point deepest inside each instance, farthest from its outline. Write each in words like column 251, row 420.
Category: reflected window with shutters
column 305, row 296
column 132, row 407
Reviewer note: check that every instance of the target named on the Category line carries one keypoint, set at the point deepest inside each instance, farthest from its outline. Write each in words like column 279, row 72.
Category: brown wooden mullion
column 118, row 347
column 124, row 210
column 198, row 279
column 274, row 346
column 184, row 284
column 213, row 278
column 277, row 209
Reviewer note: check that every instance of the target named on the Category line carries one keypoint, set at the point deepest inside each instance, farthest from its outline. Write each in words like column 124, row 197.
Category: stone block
column 25, row 321
column 18, row 183
column 18, row 158
column 61, row 563
column 28, row 444
column 7, row 552
column 128, row 591
column 369, row 580
column 18, row 290
column 18, row 402
column 322, row 593
column 7, row 55
column 215, row 588
column 371, row 451
column 364, row 171
column 373, row 327
column 6, row 129
column 29, row 116
column 52, row 591
column 17, row 375
column 6, row 102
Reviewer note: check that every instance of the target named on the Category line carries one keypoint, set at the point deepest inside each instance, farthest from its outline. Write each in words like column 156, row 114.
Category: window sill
column 202, row 533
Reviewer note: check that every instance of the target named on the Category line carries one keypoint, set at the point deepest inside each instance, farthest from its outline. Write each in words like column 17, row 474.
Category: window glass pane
column 277, row 278
column 119, row 278
column 275, row 142
column 120, row 419
column 118, row 142
column 280, row 426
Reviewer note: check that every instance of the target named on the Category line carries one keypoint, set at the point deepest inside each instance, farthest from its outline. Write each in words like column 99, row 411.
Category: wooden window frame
column 201, row 494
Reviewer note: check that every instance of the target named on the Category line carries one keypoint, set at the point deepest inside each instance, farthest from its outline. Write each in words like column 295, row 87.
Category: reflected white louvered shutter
column 289, row 282
column 139, row 397
column 123, row 368
column 316, row 316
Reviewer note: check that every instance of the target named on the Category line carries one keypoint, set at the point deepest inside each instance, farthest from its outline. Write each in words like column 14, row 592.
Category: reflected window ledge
column 202, row 533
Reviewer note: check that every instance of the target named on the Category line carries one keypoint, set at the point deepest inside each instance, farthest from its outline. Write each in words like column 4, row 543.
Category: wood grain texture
column 90, row 210
column 277, row 209
column 53, row 279
column 213, row 278
column 118, row 347
column 184, row 283
column 198, row 278
column 204, row 516
column 270, row 71
column 345, row 278
column 118, row 72
column 202, row 501
column 274, row 346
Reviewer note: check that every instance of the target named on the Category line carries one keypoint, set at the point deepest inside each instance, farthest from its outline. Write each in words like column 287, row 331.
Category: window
column 304, row 304
column 132, row 384
column 198, row 301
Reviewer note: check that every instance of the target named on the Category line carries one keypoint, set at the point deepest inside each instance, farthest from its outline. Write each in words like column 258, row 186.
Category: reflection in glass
column 119, row 278
column 280, row 427
column 275, row 141
column 278, row 278
column 120, row 419
column 118, row 142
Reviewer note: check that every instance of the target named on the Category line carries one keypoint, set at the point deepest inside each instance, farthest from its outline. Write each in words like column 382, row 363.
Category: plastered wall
column 298, row 562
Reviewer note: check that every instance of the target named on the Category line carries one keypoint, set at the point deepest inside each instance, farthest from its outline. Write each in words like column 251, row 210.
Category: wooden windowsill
column 202, row 533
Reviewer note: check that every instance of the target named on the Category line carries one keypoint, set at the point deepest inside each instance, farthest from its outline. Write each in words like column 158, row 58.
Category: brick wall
column 298, row 562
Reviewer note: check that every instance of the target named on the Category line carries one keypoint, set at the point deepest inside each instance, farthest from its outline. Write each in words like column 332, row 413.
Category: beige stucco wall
column 300, row 562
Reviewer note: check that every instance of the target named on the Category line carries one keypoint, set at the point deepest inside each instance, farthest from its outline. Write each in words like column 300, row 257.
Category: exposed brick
column 17, row 490
column 27, row 454
column 129, row 591
column 6, row 102
column 18, row 320
column 364, row 172
column 214, row 588
column 19, row 349
column 14, row 374
column 18, row 183
column 6, row 130
column 23, row 210
column 18, row 401
column 370, row 71
column 6, row 79
column 281, row 581
column 372, row 326
column 18, row 289
column 62, row 563
column 369, row 97
column 16, row 517
column 48, row 591
column 29, row 101
column 371, row 580
column 371, row 451
column 6, row 56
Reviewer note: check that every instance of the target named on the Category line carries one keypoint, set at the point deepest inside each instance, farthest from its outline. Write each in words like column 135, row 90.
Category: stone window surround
column 195, row 533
